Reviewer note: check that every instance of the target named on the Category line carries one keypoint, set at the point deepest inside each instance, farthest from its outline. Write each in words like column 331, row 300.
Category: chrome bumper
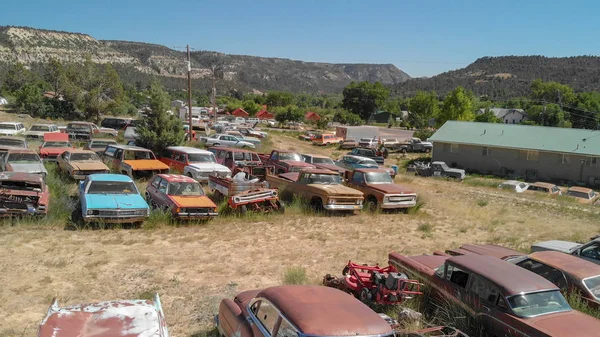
column 195, row 215
column 400, row 204
column 333, row 207
column 114, row 219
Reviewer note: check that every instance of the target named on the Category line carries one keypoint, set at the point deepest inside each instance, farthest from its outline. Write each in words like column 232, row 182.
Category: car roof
column 42, row 124
column 129, row 147
column 580, row 189
column 511, row 279
column 19, row 150
column 21, row 176
column 80, row 151
column 14, row 123
column 325, row 311
column 109, row 177
column 234, row 149
column 572, row 265
column 319, row 171
column 172, row 178
column 88, row 123
column 542, row 184
column 316, row 156
column 187, row 149
column 491, row 250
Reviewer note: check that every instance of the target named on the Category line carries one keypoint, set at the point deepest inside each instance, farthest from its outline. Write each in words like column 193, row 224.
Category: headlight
column 274, row 193
column 93, row 212
column 75, row 172
column 236, row 199
column 90, row 212
column 141, row 212
column 358, row 202
column 386, row 199
column 331, row 201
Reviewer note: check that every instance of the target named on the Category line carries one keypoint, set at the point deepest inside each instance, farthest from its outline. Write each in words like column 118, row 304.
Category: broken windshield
column 139, row 155
column 323, row 179
column 84, row 156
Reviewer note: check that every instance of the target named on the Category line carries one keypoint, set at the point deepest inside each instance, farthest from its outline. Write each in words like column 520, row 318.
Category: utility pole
column 189, row 71
column 214, row 94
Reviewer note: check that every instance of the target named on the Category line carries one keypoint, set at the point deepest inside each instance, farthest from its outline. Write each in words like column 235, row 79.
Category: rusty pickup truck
column 323, row 189
column 285, row 161
column 380, row 191
column 22, row 194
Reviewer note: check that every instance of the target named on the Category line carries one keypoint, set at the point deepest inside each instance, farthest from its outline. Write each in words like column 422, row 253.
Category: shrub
column 295, row 275
column 482, row 202
column 423, row 134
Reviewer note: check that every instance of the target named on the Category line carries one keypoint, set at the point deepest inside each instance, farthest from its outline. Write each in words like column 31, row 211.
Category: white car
column 514, row 185
column 37, row 131
column 130, row 130
column 225, row 140
column 11, row 128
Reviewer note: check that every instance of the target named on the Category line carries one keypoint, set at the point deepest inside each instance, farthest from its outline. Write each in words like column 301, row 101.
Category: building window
column 513, row 121
column 533, row 155
column 564, row 159
column 486, row 151
column 591, row 161
column 454, row 148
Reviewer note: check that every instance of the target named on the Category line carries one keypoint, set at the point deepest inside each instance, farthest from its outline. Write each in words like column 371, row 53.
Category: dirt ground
column 193, row 267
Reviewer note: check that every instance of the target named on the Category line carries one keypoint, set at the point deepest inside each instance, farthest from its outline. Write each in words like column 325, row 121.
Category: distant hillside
column 509, row 76
column 139, row 62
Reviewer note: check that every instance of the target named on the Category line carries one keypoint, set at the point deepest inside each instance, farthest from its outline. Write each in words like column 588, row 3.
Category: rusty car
column 125, row 318
column 22, row 160
column 136, row 162
column 298, row 311
column 545, row 188
column 589, row 251
column 322, row 189
column 79, row 164
column 181, row 196
column 54, row 144
column 18, row 142
column 323, row 162
column 88, row 130
column 98, row 145
column 285, row 161
column 246, row 193
column 37, row 131
column 193, row 162
column 583, row 195
column 380, row 190
column 241, row 160
column 23, row 194
column 506, row 299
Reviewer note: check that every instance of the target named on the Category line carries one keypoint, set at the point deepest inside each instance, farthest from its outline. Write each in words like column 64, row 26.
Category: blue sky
column 423, row 37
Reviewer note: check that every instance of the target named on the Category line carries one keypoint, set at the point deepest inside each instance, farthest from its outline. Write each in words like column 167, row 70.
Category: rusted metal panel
column 56, row 137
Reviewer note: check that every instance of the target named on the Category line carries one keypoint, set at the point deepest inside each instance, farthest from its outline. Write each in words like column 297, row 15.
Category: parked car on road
column 110, row 198
column 546, row 188
column 225, row 140
column 8, row 141
column 583, row 195
column 105, row 319
column 87, row 130
column 12, row 128
column 23, row 160
column 298, row 310
column 54, row 144
column 380, row 190
column 79, row 164
column 589, row 251
column 323, row 162
column 99, row 145
column 514, row 185
column 133, row 161
column 181, row 196
column 23, row 194
column 193, row 162
column 37, row 131
column 505, row 299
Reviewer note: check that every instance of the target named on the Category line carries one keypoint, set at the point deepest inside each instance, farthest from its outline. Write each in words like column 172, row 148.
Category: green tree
column 160, row 129
column 54, row 74
column 552, row 92
column 279, row 98
column 291, row 114
column 458, row 106
column 549, row 115
column 586, row 116
column 29, row 99
column 16, row 77
column 487, row 117
column 347, row 118
column 423, row 107
column 251, row 107
column 364, row 98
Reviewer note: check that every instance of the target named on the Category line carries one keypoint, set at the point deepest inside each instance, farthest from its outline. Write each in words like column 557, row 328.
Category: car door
column 152, row 190
column 456, row 282
column 117, row 159
column 179, row 161
column 266, row 318
column 357, row 181
column 63, row 161
column 108, row 156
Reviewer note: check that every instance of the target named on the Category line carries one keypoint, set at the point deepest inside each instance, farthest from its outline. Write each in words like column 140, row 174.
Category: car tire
column 243, row 209
column 137, row 224
column 76, row 216
column 427, row 150
column 372, row 205
column 403, row 151
column 316, row 204
column 280, row 207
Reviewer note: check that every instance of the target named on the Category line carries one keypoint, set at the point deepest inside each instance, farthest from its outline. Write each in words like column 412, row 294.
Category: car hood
column 29, row 168
column 455, row 170
column 562, row 324
column 146, row 164
column 556, row 245
column 191, row 201
column 89, row 165
column 209, row 167
column 391, row 189
column 331, row 167
column 335, row 190
column 426, row 143
column 115, row 201
column 295, row 163
column 54, row 150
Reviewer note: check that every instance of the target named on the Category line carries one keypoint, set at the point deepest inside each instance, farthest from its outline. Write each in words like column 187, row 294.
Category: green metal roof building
column 530, row 152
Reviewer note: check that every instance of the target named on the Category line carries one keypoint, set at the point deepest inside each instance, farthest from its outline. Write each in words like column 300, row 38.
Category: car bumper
column 333, row 207
column 8, row 212
column 401, row 204
column 195, row 216
column 115, row 219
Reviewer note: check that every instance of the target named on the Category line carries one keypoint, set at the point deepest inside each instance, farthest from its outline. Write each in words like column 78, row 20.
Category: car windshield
column 57, row 144
column 522, row 185
column 84, row 157
column 324, row 179
column 138, row 155
column 593, row 285
column 201, row 158
column 370, row 162
column 100, row 144
column 379, row 178
column 112, row 187
column 12, row 142
column 185, row 188
column 322, row 160
column 365, row 139
column 581, row 195
column 23, row 158
column 78, row 126
column 40, row 128
column 290, row 156
column 8, row 127
column 20, row 185
column 535, row 304
column 444, row 166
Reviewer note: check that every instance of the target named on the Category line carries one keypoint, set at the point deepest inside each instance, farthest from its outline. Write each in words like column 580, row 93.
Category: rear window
column 578, row 194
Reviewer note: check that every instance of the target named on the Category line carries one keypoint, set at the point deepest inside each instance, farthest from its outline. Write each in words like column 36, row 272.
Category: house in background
column 264, row 114
column 239, row 112
column 507, row 116
column 312, row 116
column 530, row 152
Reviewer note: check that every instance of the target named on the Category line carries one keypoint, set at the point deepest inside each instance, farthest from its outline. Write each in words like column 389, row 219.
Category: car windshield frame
column 40, row 128
column 586, row 286
column 201, row 158
column 381, row 178
column 125, row 187
column 177, row 188
column 91, row 156
column 56, row 144
column 532, row 297
column 334, row 180
column 31, row 157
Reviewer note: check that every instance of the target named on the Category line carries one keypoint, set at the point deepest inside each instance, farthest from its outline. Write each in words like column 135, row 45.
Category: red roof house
column 239, row 112
column 312, row 116
column 264, row 114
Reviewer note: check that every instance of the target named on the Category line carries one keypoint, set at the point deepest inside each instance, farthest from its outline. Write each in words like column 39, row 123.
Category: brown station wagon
column 298, row 311
column 546, row 188
column 507, row 299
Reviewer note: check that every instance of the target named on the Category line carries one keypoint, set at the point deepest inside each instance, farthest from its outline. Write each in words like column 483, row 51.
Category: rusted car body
column 583, row 195
column 323, row 162
column 380, row 190
column 133, row 161
column 245, row 195
column 545, row 188
column 567, row 272
column 298, row 311
column 285, row 161
column 19, row 142
column 128, row 318
column 22, row 160
column 241, row 160
column 506, row 299
column 54, row 144
column 79, row 164
column 23, row 194
column 323, row 189
column 99, row 145
column 180, row 195
column 88, row 130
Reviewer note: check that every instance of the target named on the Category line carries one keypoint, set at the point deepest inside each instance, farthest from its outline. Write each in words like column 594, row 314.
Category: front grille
column 119, row 213
column 88, row 172
column 197, row 210
column 400, row 198
column 345, row 201
column 254, row 196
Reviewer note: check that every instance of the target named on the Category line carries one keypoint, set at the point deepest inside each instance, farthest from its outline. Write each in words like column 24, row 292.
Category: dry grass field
column 192, row 267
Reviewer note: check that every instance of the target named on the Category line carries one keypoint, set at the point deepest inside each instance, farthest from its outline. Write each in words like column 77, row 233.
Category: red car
column 285, row 161
column 507, row 299
column 55, row 143
column 180, row 195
